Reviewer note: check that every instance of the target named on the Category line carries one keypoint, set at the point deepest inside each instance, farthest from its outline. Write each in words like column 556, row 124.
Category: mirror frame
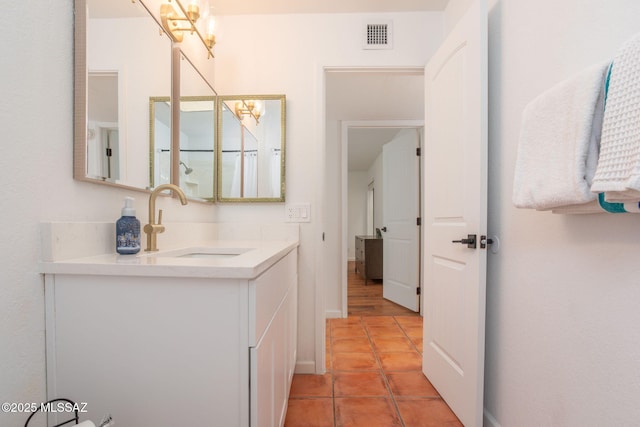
column 80, row 72
column 220, row 130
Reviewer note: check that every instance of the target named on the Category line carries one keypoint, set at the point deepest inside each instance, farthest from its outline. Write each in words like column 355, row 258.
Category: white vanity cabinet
column 153, row 350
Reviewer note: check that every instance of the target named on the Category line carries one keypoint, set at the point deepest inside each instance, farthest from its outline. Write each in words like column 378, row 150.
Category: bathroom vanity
column 201, row 335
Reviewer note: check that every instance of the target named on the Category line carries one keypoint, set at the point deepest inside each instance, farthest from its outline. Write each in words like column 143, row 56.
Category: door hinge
column 418, row 151
column 418, row 290
column 418, row 221
column 109, row 152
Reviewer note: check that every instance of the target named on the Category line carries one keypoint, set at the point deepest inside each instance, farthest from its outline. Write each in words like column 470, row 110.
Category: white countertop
column 262, row 255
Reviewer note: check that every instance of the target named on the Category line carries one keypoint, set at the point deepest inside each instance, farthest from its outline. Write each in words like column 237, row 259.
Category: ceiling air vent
column 378, row 35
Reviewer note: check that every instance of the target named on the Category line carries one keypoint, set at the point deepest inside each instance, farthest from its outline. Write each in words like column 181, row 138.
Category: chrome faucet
column 153, row 228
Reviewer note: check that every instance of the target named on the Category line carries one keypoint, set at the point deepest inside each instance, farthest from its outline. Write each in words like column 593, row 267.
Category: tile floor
column 373, row 379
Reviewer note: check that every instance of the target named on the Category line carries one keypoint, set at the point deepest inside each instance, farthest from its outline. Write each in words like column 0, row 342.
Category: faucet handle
column 159, row 216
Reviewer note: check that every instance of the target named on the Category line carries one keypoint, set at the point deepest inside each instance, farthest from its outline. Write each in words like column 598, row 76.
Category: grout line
column 331, row 371
column 384, row 376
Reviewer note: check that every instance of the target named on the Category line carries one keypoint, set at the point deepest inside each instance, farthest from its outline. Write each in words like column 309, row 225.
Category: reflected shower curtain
column 250, row 176
column 275, row 174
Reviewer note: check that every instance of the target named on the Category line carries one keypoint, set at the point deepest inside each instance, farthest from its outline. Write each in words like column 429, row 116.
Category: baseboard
column 333, row 314
column 489, row 420
column 306, row 367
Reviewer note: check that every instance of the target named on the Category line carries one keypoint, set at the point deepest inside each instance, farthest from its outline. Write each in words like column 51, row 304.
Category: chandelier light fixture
column 251, row 108
column 181, row 20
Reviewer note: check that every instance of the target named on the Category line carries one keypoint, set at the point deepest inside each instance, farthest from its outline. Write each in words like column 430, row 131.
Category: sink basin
column 204, row 252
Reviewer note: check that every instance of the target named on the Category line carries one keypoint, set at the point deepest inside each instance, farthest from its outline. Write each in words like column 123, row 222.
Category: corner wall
column 562, row 294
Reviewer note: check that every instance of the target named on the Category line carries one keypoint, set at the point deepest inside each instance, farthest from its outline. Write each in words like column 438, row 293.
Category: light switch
column 298, row 212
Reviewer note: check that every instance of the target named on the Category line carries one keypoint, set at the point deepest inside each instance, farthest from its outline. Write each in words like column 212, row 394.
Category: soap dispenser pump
column 128, row 230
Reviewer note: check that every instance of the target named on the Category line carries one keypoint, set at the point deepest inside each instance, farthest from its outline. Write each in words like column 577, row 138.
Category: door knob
column 470, row 241
column 384, row 229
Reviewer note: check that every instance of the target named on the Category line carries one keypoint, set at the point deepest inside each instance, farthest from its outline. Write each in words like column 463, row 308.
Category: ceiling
column 237, row 7
column 374, row 97
column 114, row 9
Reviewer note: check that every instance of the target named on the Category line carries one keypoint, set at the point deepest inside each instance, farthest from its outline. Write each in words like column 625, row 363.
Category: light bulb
column 211, row 25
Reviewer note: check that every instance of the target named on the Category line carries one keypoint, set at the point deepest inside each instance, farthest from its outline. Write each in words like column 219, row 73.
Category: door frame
column 344, row 160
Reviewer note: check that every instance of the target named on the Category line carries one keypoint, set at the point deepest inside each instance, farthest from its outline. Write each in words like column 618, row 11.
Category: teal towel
column 610, row 207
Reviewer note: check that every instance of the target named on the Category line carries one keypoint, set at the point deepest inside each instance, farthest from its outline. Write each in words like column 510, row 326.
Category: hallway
column 374, row 375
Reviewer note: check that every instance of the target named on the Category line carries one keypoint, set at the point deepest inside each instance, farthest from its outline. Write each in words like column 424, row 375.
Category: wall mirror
column 193, row 166
column 251, row 148
column 197, row 133
column 121, row 59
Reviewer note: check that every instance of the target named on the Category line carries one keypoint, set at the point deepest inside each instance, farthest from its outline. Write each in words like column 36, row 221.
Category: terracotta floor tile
column 410, row 384
column 310, row 413
column 427, row 413
column 409, row 320
column 346, row 322
column 309, row 385
column 385, row 331
column 379, row 320
column 369, row 412
column 351, row 345
column 417, row 342
column 384, row 344
column 401, row 361
column 413, row 331
column 364, row 383
column 348, row 331
column 354, row 362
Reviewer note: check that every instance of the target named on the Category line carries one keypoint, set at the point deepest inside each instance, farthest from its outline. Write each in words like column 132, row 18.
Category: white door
column 401, row 208
column 456, row 206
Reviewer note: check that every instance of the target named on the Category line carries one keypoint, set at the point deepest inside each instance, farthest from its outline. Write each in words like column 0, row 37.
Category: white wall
column 562, row 343
column 375, row 175
column 358, row 186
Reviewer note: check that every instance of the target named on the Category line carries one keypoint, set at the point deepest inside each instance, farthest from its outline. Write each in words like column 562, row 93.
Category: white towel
column 558, row 146
column 618, row 170
column 592, row 207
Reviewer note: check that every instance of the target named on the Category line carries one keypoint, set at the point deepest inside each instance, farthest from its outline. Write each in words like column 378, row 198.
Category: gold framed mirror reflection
column 197, row 145
column 250, row 154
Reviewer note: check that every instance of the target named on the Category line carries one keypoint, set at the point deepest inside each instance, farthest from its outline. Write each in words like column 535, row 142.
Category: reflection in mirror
column 120, row 61
column 251, row 148
column 197, row 133
column 160, row 140
column 103, row 151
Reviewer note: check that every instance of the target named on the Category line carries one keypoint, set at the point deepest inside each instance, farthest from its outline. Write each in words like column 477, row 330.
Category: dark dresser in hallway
column 369, row 257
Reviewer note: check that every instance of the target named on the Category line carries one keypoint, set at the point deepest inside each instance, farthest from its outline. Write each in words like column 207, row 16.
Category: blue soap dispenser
column 128, row 230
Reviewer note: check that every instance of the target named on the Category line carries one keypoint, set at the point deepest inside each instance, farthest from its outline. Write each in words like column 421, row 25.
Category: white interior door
column 456, row 206
column 401, row 208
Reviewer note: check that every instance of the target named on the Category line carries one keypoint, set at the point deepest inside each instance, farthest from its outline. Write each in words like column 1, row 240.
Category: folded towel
column 632, row 207
column 618, row 170
column 592, row 207
column 598, row 206
column 558, row 146
column 610, row 207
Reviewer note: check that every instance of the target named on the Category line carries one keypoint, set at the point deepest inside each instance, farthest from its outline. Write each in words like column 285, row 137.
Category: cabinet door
column 270, row 371
column 273, row 358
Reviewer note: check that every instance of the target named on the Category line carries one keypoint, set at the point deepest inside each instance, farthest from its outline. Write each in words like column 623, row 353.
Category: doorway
column 381, row 158
column 377, row 102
